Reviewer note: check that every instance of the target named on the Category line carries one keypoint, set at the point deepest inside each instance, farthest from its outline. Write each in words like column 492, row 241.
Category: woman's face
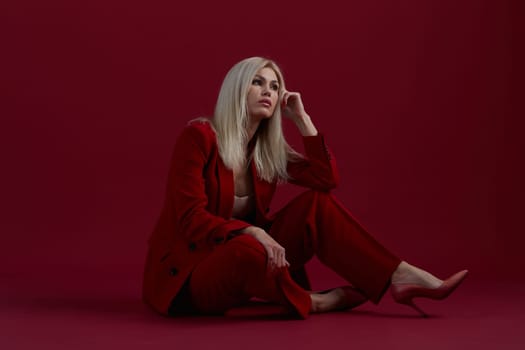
column 263, row 94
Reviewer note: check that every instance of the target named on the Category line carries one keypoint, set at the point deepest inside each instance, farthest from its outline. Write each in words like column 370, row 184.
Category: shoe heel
column 411, row 303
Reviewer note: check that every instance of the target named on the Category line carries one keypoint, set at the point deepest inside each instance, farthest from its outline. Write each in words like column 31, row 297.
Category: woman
column 214, row 246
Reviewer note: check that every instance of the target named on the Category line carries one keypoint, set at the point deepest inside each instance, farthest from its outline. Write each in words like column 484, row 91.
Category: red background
column 418, row 100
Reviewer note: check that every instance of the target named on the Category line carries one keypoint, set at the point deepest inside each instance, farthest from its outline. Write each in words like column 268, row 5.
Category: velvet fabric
column 196, row 217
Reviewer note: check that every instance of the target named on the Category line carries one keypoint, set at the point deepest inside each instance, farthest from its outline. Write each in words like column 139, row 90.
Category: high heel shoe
column 404, row 293
column 353, row 297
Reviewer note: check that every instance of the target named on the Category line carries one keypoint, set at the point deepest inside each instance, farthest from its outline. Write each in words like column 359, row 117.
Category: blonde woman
column 215, row 247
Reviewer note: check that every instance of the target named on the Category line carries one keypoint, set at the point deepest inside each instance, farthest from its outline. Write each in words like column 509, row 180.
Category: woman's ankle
column 316, row 303
column 401, row 274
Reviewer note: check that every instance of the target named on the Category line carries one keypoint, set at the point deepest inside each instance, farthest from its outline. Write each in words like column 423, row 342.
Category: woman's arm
column 318, row 170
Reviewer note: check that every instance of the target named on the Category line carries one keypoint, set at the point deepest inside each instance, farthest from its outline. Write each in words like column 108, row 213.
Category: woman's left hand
column 292, row 106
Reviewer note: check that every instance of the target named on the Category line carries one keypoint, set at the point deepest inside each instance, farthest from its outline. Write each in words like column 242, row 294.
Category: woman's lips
column 265, row 103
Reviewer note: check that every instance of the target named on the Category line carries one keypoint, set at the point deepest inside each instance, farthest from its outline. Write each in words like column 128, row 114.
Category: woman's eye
column 275, row 87
column 256, row 82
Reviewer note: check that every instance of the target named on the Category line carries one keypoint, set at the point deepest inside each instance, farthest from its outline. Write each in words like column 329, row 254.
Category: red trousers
column 312, row 223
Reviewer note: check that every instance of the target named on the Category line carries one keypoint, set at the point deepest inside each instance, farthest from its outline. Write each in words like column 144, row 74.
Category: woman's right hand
column 275, row 252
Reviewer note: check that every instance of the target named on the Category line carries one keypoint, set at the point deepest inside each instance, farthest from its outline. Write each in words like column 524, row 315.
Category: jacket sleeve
column 318, row 169
column 186, row 187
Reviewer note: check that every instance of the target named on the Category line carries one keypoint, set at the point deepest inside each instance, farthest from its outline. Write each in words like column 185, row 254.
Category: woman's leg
column 236, row 272
column 317, row 223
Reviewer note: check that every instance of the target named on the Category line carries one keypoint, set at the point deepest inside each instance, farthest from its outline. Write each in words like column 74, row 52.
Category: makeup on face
column 263, row 93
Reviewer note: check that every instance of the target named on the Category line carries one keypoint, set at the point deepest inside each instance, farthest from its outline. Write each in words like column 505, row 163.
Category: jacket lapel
column 263, row 190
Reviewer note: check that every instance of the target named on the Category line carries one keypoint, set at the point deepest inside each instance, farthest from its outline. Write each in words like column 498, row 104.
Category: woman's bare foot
column 336, row 299
column 409, row 274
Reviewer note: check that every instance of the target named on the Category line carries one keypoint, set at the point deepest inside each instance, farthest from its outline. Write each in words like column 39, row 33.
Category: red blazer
column 196, row 216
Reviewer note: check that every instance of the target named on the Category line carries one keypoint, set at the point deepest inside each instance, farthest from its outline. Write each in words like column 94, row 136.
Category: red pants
column 312, row 223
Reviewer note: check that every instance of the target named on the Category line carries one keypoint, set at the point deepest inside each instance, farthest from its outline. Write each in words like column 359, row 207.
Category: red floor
column 102, row 310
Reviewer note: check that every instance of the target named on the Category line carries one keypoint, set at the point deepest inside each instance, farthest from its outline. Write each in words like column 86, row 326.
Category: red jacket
column 196, row 216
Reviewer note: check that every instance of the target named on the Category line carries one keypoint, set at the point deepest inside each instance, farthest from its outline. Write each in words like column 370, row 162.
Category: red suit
column 195, row 234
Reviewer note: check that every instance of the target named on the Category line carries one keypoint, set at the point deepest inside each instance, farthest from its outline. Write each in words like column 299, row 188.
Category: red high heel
column 404, row 293
column 353, row 296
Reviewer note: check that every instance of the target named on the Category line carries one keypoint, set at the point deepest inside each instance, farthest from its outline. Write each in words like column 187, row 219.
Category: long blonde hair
column 271, row 152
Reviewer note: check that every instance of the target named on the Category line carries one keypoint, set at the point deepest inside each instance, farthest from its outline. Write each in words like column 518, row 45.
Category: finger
column 285, row 98
column 296, row 100
column 271, row 258
column 275, row 257
column 281, row 258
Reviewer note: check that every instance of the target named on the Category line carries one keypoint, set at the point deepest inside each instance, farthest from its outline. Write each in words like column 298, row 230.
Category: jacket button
column 173, row 271
column 192, row 246
column 218, row 240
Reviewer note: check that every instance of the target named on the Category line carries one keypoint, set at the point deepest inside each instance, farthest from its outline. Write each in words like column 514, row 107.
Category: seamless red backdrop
column 415, row 97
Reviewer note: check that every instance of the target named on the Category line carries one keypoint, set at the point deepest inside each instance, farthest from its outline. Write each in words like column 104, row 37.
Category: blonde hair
column 271, row 152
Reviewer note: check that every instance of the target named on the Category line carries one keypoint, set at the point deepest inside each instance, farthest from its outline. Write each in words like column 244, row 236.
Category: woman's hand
column 275, row 252
column 292, row 107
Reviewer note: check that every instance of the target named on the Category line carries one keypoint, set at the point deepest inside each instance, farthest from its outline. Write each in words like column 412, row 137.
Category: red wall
column 415, row 98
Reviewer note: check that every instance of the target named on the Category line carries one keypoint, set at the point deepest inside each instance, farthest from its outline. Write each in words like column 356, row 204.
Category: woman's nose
column 266, row 91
